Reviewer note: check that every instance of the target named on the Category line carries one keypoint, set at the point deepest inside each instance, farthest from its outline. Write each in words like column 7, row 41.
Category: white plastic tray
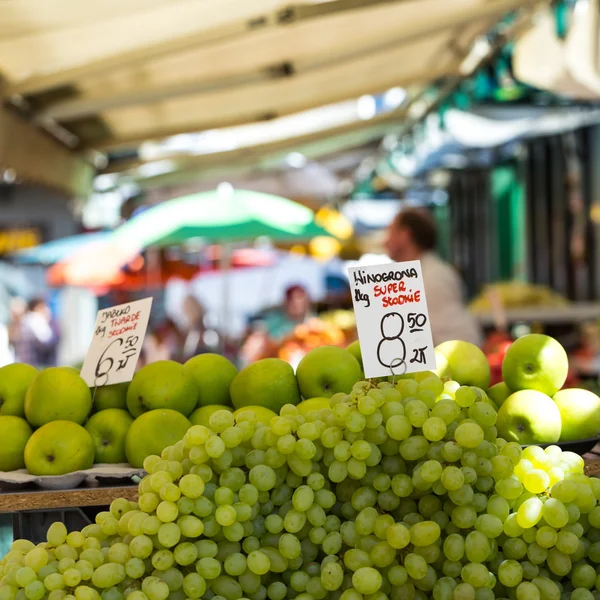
column 70, row 480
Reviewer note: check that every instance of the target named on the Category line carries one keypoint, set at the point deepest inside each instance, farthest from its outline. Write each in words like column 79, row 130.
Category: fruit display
column 312, row 334
column 343, row 319
column 516, row 294
column 389, row 490
column 52, row 424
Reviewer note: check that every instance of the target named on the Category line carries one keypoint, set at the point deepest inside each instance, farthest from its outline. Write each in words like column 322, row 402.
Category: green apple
column 110, row 396
column 535, row 362
column 152, row 432
column 327, row 370
column 162, row 384
column 269, row 382
column 313, row 404
column 212, row 375
column 14, row 433
column 202, row 415
column 14, row 381
column 442, row 368
column 499, row 393
column 580, row 414
column 529, row 417
column 354, row 349
column 263, row 415
column 108, row 429
column 57, row 394
column 466, row 364
column 58, row 448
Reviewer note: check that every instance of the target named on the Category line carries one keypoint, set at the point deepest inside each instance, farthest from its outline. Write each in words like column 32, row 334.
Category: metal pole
column 225, row 263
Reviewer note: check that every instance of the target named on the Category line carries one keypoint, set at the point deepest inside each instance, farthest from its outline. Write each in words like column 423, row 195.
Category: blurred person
column 296, row 310
column 271, row 326
column 16, row 309
column 412, row 235
column 36, row 335
column 193, row 339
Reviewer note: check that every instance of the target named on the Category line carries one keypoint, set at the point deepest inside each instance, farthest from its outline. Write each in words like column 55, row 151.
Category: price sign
column 392, row 318
column 118, row 338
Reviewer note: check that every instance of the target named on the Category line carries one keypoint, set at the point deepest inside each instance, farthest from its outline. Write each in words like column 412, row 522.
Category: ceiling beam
column 89, row 105
column 286, row 15
column 396, row 115
column 124, row 142
column 36, row 157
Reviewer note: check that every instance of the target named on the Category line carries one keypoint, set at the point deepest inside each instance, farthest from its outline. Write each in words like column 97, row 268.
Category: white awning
column 117, row 73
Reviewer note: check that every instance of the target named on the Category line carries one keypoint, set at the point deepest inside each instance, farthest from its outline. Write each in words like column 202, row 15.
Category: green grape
column 546, row 537
column 258, row 562
column 555, row 513
column 510, row 489
column 510, row 573
column 141, row 546
column 529, row 513
column 35, row 590
column 490, row 525
column 75, row 539
column 134, row 568
column 54, row 581
column 536, row 481
column 277, row 591
column 444, row 588
column 398, row 427
column 235, row 564
column 477, row 547
column 567, row 542
column 475, row 574
column 416, row 566
column 464, row 396
column 515, row 548
column 108, row 575
column 367, row 580
column 582, row 594
column 208, row 567
column 25, row 575
column 303, row 498
column 72, row 577
column 169, row 534
column 452, row 478
column 424, row 533
column 163, row 560
column 85, row 568
column 527, row 591
column 36, row 558
column 57, row 534
column 468, row 435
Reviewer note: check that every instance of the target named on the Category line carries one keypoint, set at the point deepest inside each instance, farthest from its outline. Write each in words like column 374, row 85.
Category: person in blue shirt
column 271, row 326
column 295, row 310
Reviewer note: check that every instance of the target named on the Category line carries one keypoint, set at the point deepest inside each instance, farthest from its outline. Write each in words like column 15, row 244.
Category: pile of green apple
column 52, row 423
column 533, row 407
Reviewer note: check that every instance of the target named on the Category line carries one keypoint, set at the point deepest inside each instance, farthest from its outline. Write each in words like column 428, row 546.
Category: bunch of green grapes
column 398, row 491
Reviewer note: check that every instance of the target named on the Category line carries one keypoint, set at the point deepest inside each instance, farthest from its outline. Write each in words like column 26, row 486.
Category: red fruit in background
column 496, row 342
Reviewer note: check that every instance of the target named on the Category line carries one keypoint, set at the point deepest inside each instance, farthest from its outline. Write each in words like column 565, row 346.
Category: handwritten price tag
column 392, row 318
column 118, row 338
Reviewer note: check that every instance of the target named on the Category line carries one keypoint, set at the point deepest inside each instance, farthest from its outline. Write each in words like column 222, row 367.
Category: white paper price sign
column 392, row 318
column 118, row 338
